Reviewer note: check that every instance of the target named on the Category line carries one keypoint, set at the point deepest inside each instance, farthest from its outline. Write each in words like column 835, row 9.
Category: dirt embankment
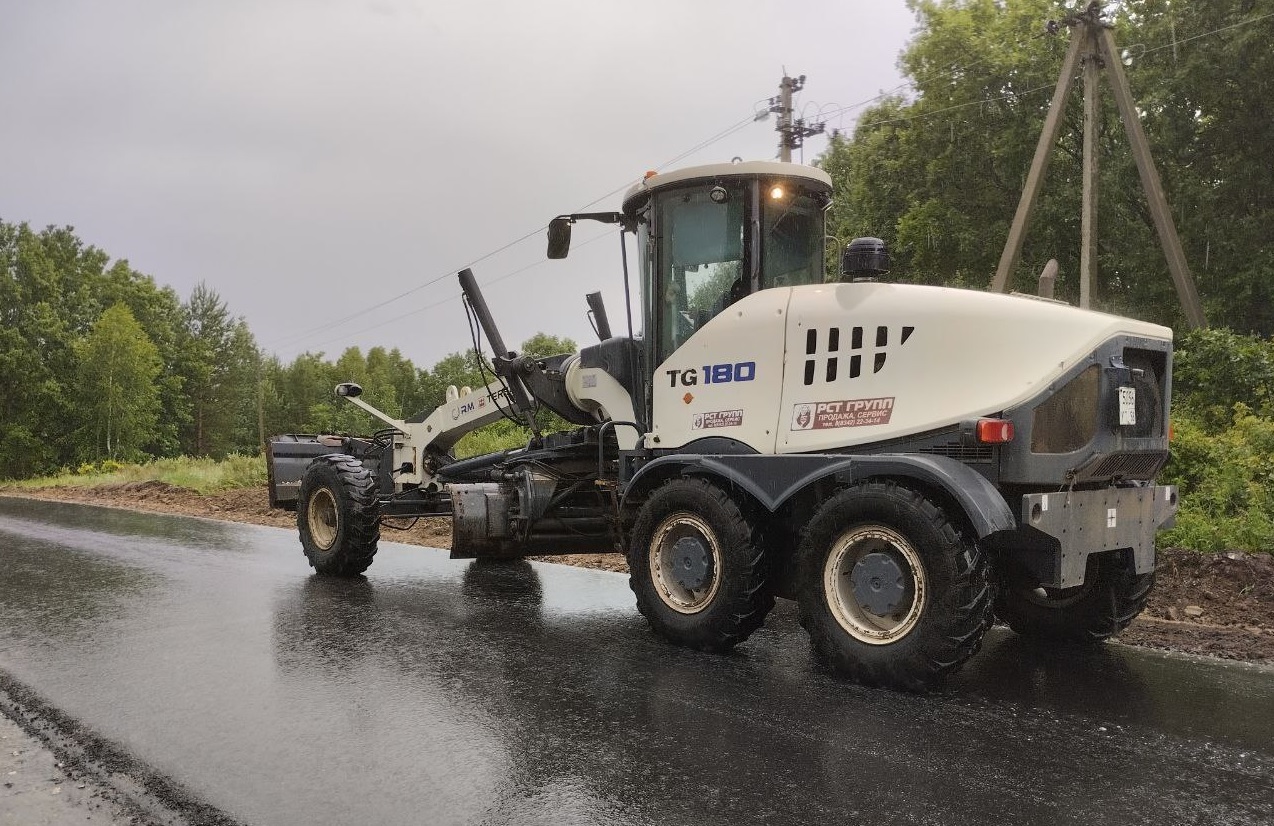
column 1216, row 604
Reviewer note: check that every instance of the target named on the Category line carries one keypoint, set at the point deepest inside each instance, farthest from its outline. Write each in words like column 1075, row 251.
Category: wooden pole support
column 1039, row 163
column 1150, row 182
column 1088, row 210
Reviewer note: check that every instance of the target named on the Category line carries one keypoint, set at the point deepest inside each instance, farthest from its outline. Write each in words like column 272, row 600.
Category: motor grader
column 906, row 462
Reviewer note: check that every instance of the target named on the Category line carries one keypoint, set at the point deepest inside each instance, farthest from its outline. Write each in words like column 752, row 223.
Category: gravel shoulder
column 1220, row 605
column 40, row 790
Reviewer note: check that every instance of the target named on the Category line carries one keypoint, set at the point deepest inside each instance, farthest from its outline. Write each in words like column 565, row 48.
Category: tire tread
column 356, row 545
column 1118, row 595
column 941, row 647
column 722, row 629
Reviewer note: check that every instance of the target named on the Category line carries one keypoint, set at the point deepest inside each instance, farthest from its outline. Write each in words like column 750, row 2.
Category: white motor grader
column 907, row 462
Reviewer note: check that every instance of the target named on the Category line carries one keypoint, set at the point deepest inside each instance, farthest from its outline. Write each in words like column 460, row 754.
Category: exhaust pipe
column 597, row 312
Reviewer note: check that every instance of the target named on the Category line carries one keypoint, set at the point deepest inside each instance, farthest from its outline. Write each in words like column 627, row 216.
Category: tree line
column 97, row 362
column 937, row 172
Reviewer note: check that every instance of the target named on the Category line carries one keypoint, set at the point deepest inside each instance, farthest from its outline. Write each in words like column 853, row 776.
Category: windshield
column 706, row 255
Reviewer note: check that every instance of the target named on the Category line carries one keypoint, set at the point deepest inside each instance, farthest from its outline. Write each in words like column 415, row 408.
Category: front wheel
column 698, row 568
column 890, row 593
column 338, row 515
column 1112, row 596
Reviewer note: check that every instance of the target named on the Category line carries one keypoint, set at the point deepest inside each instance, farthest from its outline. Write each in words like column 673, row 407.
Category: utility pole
column 792, row 133
column 1088, row 208
column 1092, row 42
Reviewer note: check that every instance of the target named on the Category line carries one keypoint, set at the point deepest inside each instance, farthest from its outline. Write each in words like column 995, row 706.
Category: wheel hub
column 879, row 583
column 691, row 563
column 323, row 518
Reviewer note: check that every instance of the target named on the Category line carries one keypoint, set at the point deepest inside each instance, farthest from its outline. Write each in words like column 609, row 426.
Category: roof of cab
column 721, row 171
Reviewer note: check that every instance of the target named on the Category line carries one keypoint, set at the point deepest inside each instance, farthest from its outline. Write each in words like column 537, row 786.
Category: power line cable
column 965, row 69
column 1012, row 95
column 380, row 324
column 295, row 338
column 981, row 102
column 455, row 297
column 350, row 316
column 721, row 135
column 1176, row 43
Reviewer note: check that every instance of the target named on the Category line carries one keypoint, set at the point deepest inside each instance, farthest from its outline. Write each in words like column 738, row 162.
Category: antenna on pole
column 1092, row 45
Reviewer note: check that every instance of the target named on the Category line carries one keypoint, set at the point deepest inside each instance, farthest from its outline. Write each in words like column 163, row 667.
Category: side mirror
column 559, row 237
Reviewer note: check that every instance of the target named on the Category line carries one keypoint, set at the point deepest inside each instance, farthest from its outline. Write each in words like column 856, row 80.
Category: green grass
column 201, row 475
column 490, row 439
column 209, row 476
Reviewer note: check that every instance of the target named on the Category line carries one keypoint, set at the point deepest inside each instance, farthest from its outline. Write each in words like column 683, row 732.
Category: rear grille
column 1128, row 466
column 977, row 454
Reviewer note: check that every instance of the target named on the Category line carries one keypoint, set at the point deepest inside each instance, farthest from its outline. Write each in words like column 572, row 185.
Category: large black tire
column 338, row 515
column 1112, row 595
column 889, row 591
column 698, row 567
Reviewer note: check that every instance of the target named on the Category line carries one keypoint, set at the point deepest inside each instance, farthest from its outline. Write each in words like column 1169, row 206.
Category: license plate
column 1127, row 405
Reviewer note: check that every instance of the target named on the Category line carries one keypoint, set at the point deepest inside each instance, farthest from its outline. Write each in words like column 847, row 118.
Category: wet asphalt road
column 439, row 691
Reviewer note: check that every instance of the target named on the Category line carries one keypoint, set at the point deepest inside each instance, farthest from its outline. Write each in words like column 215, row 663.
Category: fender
column 773, row 480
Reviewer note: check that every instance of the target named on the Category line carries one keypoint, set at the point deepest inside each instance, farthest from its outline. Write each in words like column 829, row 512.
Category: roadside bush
column 1226, row 481
column 1213, row 370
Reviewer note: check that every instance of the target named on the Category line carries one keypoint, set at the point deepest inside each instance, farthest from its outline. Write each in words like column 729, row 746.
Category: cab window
column 791, row 235
column 701, row 268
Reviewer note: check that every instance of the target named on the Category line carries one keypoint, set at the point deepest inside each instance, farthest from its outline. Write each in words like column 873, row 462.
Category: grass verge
column 201, row 475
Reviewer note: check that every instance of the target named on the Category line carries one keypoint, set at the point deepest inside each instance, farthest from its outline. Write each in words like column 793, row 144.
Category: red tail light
column 995, row 431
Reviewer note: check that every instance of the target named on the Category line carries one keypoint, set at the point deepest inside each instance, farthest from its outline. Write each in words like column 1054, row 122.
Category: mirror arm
column 604, row 217
column 560, row 229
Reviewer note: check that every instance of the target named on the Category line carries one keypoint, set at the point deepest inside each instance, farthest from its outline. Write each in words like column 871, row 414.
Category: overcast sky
column 311, row 159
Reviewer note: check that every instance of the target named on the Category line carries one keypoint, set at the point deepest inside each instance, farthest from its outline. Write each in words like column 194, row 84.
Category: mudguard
column 286, row 460
column 773, row 480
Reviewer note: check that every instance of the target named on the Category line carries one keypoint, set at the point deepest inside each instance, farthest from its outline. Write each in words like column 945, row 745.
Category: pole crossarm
column 792, row 131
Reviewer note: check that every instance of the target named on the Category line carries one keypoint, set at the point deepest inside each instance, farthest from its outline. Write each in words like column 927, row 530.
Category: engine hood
column 908, row 358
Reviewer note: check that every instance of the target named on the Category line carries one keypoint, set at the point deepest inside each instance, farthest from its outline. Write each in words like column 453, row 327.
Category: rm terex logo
column 832, row 365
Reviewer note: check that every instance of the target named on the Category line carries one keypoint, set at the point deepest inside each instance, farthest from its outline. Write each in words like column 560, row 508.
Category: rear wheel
column 1112, row 596
column 698, row 568
column 890, row 593
column 338, row 515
